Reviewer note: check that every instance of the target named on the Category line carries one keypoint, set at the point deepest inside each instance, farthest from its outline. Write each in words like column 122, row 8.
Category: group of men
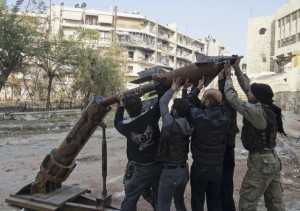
column 157, row 166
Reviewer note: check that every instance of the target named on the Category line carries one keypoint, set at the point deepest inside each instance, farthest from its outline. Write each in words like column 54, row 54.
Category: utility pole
column 207, row 39
column 114, row 32
column 156, row 37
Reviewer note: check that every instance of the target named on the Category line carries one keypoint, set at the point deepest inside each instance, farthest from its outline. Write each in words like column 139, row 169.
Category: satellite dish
column 83, row 5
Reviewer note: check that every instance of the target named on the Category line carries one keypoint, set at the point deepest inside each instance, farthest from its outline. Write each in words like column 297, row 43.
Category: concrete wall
column 260, row 44
column 288, row 101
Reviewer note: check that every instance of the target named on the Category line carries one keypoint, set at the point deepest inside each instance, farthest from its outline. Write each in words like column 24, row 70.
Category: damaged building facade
column 274, row 53
column 146, row 43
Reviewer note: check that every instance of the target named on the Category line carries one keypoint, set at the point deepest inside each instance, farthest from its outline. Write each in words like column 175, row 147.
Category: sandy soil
column 22, row 151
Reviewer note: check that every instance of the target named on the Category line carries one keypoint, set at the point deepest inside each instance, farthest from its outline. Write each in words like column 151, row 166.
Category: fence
column 38, row 106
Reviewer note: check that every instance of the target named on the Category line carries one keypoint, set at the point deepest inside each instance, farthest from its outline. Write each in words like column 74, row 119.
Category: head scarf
column 264, row 94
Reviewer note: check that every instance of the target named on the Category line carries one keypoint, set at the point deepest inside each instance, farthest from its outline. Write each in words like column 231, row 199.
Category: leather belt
column 174, row 166
column 266, row 151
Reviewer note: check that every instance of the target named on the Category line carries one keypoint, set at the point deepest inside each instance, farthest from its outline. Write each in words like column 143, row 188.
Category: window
column 293, row 39
column 282, row 21
column 294, row 16
column 130, row 54
column 279, row 23
column 278, row 44
column 129, row 69
column 287, row 19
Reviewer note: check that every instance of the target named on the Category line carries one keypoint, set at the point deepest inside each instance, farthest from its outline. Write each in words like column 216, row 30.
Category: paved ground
column 23, row 148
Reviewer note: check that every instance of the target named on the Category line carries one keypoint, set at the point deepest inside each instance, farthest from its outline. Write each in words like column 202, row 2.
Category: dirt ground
column 22, row 149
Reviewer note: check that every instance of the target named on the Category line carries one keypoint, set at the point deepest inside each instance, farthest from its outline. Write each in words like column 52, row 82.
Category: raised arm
column 252, row 112
column 243, row 79
column 119, row 114
column 167, row 119
column 185, row 86
column 221, row 82
column 192, row 97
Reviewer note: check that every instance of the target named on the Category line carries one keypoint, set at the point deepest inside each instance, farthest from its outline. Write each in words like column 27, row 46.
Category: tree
column 100, row 70
column 97, row 74
column 55, row 57
column 17, row 36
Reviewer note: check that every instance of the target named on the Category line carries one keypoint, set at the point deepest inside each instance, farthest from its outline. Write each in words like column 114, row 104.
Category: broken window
column 262, row 31
column 130, row 54
column 293, row 39
column 129, row 69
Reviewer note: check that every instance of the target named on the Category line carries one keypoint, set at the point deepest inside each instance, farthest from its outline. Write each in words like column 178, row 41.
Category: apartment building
column 147, row 43
column 274, row 53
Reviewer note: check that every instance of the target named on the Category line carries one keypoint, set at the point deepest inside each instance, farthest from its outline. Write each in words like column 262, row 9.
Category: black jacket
column 142, row 132
column 208, row 141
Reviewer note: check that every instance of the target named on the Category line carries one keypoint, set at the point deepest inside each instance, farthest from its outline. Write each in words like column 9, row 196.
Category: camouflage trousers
column 147, row 194
column 262, row 179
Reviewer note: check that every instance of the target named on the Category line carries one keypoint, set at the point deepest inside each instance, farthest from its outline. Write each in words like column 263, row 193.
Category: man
column 262, row 120
column 211, row 121
column 227, row 200
column 142, row 133
column 173, row 150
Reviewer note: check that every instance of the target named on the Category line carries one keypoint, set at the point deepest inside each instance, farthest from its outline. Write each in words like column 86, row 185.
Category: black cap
column 262, row 92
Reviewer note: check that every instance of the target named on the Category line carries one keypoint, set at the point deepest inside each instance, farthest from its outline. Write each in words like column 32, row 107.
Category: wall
column 260, row 44
column 288, row 101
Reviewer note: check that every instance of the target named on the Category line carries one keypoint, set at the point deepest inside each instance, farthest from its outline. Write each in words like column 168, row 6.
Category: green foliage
column 17, row 35
column 56, row 57
column 87, row 34
column 97, row 74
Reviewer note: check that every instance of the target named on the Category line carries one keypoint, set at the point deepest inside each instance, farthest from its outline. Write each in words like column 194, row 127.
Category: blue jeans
column 172, row 184
column 206, row 182
column 144, row 176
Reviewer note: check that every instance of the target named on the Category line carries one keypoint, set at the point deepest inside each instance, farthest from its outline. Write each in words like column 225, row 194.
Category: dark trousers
column 227, row 182
column 148, row 192
column 144, row 176
column 206, row 182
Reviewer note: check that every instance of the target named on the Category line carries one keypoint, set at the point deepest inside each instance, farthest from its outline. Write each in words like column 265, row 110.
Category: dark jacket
column 142, row 132
column 175, row 134
column 208, row 141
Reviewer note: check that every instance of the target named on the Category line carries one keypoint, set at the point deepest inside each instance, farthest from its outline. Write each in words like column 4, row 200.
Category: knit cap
column 262, row 92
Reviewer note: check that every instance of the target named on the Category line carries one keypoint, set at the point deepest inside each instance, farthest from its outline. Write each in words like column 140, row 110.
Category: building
column 147, row 42
column 274, row 53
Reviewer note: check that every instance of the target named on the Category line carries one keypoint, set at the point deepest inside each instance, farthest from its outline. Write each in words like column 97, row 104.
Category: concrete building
column 274, row 53
column 147, row 42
